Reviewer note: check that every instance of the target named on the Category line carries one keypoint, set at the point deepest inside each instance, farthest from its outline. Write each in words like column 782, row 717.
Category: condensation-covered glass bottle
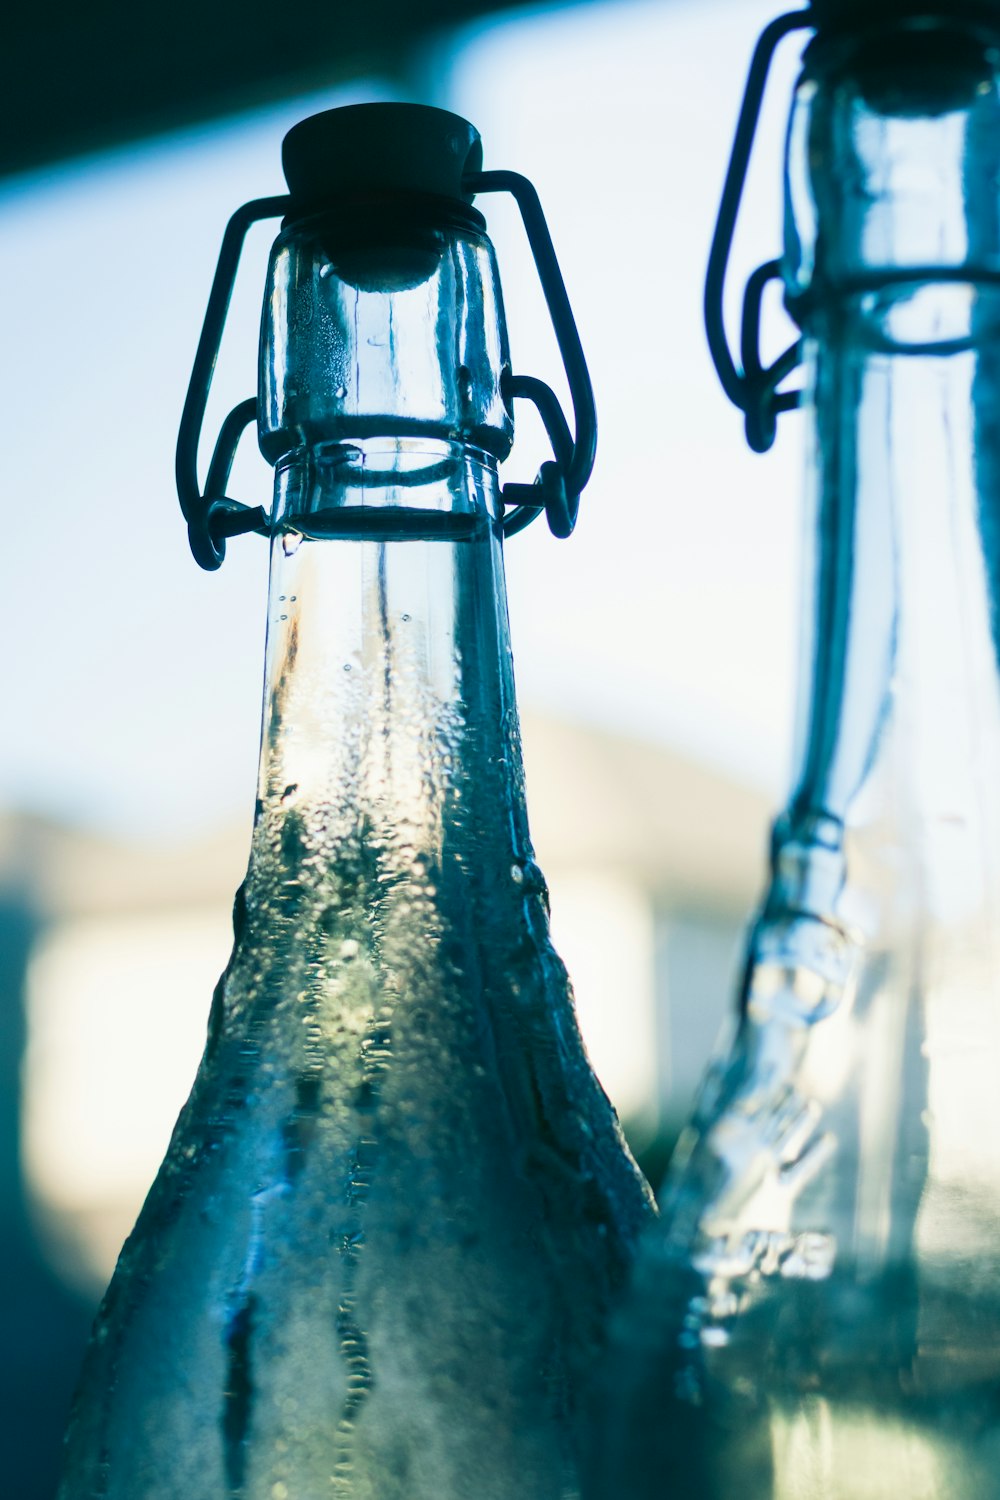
column 817, row 1315
column 378, row 1255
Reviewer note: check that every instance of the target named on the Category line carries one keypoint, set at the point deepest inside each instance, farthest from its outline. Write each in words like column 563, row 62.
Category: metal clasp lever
column 560, row 482
column 210, row 515
column 754, row 389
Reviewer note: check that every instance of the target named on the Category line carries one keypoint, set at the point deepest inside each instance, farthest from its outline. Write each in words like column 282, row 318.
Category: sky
column 133, row 678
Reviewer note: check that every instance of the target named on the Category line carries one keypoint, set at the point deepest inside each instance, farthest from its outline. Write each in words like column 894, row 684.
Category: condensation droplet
column 347, row 666
column 291, row 542
column 340, row 392
column 282, row 617
column 325, row 270
column 406, row 619
column 517, row 874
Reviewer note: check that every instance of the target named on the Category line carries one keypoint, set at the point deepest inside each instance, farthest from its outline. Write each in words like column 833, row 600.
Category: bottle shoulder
column 396, row 1181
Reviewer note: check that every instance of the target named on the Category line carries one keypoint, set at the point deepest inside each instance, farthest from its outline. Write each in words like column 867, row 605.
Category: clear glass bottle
column 376, row 1260
column 817, row 1315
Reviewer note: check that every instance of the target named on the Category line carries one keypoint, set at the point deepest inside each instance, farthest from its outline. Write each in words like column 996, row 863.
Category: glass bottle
column 817, row 1314
column 377, row 1257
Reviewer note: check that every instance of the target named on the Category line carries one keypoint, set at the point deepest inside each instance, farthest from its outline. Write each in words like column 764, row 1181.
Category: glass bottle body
column 377, row 1258
column 818, row 1318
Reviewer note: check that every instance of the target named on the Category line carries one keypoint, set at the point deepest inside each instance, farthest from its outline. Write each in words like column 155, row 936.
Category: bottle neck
column 389, row 719
column 900, row 708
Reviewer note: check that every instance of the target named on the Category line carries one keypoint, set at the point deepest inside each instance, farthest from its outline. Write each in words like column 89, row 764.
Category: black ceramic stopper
column 841, row 14
column 380, row 149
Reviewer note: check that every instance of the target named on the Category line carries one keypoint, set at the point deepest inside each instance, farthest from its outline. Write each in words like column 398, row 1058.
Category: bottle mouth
column 907, row 65
column 385, row 183
column 387, row 242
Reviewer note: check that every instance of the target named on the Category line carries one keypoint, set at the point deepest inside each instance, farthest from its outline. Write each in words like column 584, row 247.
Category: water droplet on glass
column 292, row 598
column 281, row 598
column 325, row 270
column 349, row 949
column 406, row 619
column 347, row 666
column 517, row 874
column 282, row 617
column 291, row 542
column 340, row 392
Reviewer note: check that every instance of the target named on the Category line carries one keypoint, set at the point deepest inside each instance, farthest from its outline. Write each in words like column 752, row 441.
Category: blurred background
column 655, row 650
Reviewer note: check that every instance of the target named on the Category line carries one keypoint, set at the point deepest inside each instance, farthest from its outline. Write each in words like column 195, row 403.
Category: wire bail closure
column 560, row 482
column 212, row 516
column 754, row 388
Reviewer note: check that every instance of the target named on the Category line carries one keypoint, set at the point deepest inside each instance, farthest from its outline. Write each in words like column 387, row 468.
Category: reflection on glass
column 819, row 1314
column 377, row 1259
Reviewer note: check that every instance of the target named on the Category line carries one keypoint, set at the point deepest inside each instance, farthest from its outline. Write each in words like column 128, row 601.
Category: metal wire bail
column 210, row 514
column 559, row 483
column 213, row 517
column 754, row 388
